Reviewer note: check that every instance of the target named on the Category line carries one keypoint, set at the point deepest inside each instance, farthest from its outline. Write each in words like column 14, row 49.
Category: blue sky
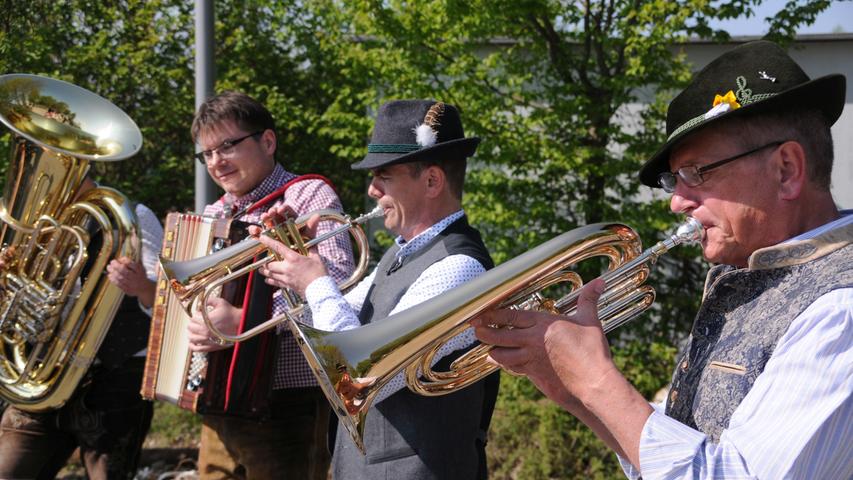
column 839, row 16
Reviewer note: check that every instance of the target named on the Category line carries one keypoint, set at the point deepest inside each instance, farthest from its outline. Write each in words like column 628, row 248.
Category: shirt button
column 673, row 396
column 684, row 366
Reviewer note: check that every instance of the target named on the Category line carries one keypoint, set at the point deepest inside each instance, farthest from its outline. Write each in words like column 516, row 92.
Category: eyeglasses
column 225, row 150
column 692, row 176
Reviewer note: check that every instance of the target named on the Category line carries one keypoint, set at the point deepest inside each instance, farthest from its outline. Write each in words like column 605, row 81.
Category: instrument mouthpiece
column 691, row 231
column 375, row 213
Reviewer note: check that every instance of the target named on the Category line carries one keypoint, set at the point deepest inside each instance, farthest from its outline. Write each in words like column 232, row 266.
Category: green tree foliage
column 569, row 98
column 140, row 56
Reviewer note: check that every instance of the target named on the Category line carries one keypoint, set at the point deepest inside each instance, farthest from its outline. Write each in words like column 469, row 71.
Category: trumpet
column 194, row 281
column 352, row 366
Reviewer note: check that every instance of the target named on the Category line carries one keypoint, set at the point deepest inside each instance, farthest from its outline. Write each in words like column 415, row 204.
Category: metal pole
column 205, row 78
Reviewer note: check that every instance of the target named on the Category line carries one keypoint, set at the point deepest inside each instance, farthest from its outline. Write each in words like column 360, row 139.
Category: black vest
column 742, row 317
column 394, row 278
column 408, row 436
column 128, row 334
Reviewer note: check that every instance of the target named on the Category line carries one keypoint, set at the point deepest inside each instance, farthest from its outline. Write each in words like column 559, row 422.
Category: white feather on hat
column 425, row 134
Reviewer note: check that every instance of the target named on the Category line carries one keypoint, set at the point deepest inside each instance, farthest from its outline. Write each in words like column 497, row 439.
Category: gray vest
column 742, row 317
column 408, row 436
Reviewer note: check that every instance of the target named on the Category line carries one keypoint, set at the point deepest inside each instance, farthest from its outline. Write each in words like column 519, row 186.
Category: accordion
column 234, row 381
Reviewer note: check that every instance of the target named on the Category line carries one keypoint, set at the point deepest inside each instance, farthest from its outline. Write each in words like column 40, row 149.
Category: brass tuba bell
column 353, row 365
column 55, row 303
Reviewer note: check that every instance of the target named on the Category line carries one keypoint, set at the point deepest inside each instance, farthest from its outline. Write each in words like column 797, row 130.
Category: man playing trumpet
column 417, row 157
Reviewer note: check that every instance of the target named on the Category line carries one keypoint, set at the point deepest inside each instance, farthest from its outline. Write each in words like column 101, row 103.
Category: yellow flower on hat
column 729, row 98
column 722, row 104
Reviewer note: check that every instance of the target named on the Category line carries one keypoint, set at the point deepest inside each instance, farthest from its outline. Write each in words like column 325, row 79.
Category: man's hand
column 563, row 356
column 278, row 213
column 224, row 316
column 130, row 277
column 568, row 359
column 293, row 271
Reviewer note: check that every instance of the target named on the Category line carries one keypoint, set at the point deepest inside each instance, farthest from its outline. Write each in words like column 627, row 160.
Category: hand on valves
column 560, row 354
column 568, row 359
column 293, row 270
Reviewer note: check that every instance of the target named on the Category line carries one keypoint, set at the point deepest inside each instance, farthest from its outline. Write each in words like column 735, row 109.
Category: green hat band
column 392, row 148
column 744, row 97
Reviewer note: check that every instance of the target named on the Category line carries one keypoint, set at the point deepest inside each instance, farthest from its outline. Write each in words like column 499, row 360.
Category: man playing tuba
column 105, row 417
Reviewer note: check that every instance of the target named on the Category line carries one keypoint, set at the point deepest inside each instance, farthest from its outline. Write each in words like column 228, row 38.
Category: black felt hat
column 415, row 130
column 753, row 77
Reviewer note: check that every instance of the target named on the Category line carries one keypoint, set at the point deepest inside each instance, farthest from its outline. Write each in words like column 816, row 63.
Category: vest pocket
column 390, row 454
column 728, row 367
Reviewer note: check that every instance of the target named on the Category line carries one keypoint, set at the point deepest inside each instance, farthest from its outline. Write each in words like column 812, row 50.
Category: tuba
column 56, row 238
column 352, row 366
column 194, row 281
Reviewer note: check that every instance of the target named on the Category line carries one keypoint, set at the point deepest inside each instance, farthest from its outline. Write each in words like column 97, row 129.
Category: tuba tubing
column 352, row 366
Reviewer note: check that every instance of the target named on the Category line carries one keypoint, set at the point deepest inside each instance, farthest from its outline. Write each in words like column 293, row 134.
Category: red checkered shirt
column 292, row 370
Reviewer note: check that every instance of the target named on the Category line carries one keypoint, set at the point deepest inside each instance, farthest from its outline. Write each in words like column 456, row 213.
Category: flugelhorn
column 352, row 366
column 194, row 281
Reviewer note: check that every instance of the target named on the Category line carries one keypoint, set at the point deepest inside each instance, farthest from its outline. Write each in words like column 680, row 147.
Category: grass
column 173, row 427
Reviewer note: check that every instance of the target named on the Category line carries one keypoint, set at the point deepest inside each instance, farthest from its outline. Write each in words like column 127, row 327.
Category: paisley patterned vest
column 742, row 317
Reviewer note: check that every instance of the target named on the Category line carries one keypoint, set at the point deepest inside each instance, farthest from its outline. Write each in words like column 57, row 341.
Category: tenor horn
column 352, row 366
column 56, row 304
column 194, row 281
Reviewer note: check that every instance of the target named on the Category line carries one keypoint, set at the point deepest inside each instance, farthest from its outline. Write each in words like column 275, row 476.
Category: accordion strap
column 280, row 191
column 252, row 303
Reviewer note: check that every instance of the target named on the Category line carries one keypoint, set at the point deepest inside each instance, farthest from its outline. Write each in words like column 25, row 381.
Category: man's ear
column 435, row 180
column 790, row 169
column 268, row 141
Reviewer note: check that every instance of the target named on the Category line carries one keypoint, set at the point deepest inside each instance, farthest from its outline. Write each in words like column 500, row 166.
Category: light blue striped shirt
column 795, row 422
column 333, row 311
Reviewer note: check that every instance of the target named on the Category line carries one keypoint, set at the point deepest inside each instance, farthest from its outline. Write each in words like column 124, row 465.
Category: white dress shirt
column 795, row 422
column 333, row 311
column 151, row 241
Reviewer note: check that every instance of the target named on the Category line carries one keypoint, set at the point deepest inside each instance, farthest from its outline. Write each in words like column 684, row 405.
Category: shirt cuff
column 321, row 289
column 146, row 310
column 628, row 469
column 667, row 445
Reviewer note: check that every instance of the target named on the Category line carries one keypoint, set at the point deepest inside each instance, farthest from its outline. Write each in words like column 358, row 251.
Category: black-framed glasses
column 692, row 176
column 225, row 149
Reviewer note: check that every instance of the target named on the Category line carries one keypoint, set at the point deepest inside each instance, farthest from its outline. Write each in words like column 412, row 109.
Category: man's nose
column 682, row 201
column 373, row 191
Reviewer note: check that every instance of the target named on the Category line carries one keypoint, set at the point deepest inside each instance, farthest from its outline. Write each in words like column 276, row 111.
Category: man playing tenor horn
column 763, row 389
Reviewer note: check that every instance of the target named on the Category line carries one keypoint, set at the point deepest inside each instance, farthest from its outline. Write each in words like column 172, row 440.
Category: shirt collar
column 415, row 244
column 278, row 177
column 846, row 218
